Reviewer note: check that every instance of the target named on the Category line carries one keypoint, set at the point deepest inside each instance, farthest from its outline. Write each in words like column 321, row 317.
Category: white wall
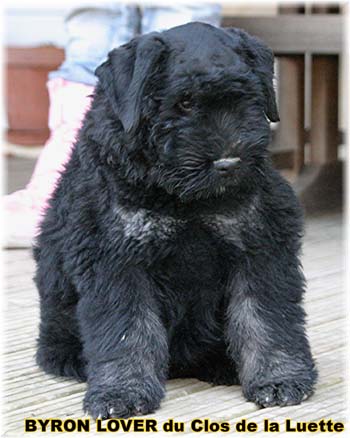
column 30, row 27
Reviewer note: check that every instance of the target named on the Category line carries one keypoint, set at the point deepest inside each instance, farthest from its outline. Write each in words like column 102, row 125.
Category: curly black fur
column 155, row 259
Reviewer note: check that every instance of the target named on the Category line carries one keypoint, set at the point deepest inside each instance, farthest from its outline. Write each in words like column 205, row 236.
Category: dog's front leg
column 125, row 344
column 265, row 330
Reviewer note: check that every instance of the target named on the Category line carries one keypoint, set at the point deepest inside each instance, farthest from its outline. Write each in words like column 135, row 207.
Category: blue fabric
column 159, row 18
column 93, row 32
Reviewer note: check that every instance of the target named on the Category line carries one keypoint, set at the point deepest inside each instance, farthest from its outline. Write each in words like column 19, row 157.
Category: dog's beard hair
column 193, row 177
column 187, row 179
column 189, row 174
column 185, row 155
column 191, row 181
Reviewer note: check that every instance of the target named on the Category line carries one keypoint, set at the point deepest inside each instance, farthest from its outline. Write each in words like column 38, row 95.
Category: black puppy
column 170, row 247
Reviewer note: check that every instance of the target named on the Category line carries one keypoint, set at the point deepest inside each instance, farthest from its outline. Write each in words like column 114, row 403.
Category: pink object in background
column 23, row 209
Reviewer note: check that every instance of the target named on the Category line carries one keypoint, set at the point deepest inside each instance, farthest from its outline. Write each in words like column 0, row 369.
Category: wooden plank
column 291, row 92
column 295, row 34
column 49, row 57
column 324, row 137
column 291, row 102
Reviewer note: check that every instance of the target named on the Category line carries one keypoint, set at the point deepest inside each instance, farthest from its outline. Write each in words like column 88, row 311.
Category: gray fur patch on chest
column 230, row 226
column 143, row 225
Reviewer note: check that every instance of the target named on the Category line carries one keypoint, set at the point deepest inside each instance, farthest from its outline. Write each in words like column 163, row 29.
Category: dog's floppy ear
column 125, row 74
column 260, row 58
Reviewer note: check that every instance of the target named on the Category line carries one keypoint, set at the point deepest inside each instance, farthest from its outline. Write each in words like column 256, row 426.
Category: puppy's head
column 195, row 104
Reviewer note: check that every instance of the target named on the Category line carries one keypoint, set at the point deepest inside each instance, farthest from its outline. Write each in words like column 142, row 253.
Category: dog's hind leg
column 217, row 368
column 59, row 349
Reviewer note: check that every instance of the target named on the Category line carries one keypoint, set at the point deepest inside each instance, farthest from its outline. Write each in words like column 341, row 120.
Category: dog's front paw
column 279, row 394
column 108, row 402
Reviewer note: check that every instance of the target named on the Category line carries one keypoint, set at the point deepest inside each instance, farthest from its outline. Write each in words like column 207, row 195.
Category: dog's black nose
column 226, row 165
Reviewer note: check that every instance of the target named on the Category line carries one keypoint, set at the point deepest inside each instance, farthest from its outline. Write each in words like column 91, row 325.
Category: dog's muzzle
column 226, row 165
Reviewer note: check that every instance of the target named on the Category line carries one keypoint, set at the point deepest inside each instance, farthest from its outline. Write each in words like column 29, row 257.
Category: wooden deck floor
column 31, row 393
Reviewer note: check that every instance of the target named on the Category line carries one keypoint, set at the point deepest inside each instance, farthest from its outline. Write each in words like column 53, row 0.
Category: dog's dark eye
column 185, row 105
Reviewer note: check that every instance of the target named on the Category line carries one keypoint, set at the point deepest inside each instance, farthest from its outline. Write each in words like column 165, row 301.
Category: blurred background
column 51, row 51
